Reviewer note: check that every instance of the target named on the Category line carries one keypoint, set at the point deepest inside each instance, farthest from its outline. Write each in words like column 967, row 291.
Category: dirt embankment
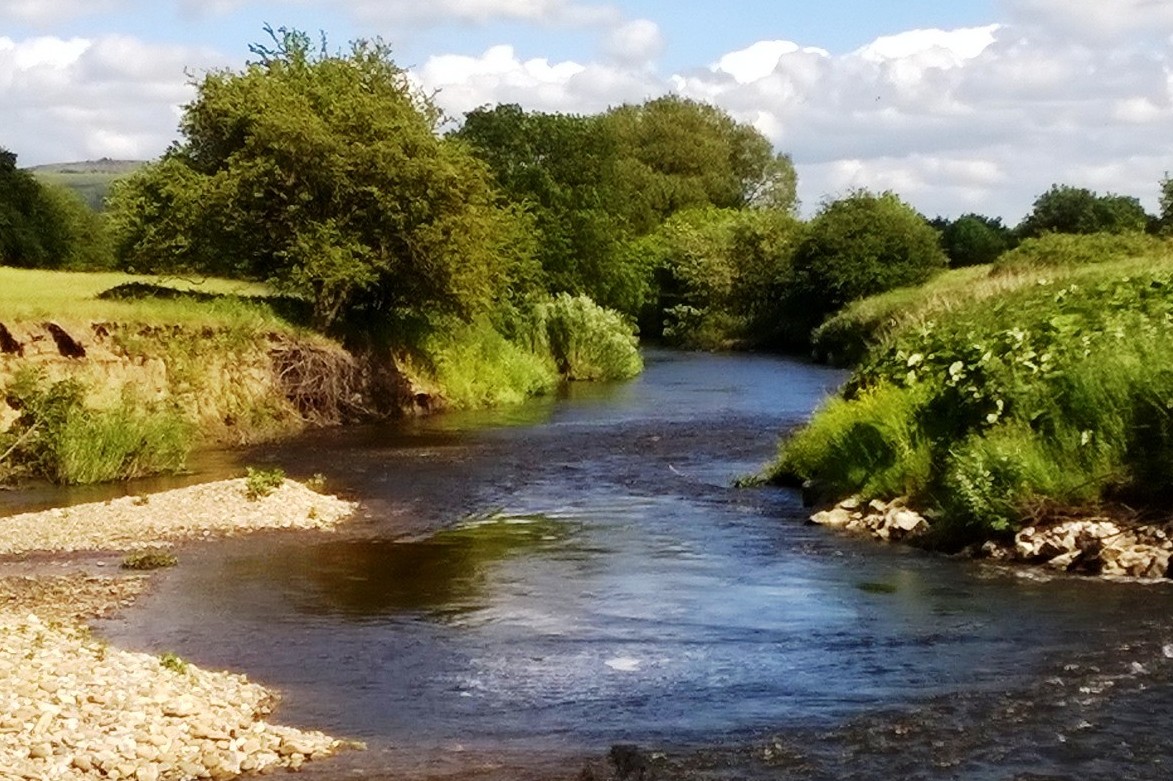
column 237, row 387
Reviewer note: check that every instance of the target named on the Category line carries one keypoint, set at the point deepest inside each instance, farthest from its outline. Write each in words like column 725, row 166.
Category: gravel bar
column 74, row 708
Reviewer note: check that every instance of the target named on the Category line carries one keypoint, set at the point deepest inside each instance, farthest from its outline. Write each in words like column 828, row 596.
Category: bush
column 259, row 483
column 586, row 341
column 1056, row 393
column 859, row 246
column 1060, row 250
column 58, row 438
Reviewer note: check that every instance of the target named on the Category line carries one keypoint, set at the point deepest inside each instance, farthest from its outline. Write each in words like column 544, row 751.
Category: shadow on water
column 444, row 574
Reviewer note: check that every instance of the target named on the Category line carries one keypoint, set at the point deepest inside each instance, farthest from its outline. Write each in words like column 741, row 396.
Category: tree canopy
column 863, row 244
column 324, row 174
column 1066, row 209
column 46, row 226
column 973, row 239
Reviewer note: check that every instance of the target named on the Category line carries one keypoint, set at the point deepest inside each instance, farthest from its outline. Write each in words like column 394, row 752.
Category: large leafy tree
column 859, row 245
column 46, row 226
column 324, row 174
column 562, row 169
column 973, row 239
column 1065, row 209
column 676, row 153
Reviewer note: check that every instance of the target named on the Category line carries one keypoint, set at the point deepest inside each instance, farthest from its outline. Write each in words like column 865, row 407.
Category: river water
column 530, row 587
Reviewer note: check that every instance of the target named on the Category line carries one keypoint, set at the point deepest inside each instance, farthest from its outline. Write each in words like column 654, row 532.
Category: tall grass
column 1056, row 391
column 585, row 341
column 59, row 438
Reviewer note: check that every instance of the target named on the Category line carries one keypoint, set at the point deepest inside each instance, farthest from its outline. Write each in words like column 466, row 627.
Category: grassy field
column 37, row 295
column 990, row 397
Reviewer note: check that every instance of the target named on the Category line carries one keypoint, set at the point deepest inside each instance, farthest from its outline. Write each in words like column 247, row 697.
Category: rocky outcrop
column 1096, row 546
column 1091, row 546
column 889, row 521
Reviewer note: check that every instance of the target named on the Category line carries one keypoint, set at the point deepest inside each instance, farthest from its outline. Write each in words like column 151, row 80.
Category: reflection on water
column 539, row 583
column 440, row 575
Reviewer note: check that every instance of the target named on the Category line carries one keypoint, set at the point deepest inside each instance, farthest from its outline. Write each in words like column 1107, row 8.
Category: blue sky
column 957, row 106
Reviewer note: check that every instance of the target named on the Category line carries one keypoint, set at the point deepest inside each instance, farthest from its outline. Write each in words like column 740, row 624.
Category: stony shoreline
column 74, row 708
column 1092, row 546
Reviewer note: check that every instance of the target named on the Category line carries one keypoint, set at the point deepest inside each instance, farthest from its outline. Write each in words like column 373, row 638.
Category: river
column 528, row 587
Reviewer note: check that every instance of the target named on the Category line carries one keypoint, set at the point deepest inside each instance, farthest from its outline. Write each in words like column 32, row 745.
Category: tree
column 324, row 174
column 1065, row 209
column 46, row 226
column 676, row 154
column 973, row 239
column 859, row 246
column 561, row 169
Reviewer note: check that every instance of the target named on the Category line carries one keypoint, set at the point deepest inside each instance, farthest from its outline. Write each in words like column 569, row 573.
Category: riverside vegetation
column 998, row 396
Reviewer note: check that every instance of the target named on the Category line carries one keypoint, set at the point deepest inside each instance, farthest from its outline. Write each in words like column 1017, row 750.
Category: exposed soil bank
column 73, row 708
column 235, row 384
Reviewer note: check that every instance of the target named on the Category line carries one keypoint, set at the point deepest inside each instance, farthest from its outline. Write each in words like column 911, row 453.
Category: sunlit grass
column 66, row 296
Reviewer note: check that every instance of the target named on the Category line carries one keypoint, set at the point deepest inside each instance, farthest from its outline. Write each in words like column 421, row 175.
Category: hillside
column 91, row 179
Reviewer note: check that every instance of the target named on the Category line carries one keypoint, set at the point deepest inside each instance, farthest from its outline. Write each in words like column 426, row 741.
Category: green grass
column 70, row 296
column 987, row 402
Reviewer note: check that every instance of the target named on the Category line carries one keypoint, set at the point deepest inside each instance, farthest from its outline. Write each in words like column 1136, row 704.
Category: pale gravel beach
column 74, row 708
column 216, row 509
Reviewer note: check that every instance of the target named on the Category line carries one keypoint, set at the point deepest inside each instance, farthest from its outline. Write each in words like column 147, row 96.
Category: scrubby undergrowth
column 993, row 400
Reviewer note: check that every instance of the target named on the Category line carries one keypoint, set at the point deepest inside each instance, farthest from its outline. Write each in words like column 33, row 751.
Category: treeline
column 46, row 226
column 329, row 176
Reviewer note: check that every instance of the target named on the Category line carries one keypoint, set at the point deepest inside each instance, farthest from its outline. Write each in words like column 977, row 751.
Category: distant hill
column 91, row 179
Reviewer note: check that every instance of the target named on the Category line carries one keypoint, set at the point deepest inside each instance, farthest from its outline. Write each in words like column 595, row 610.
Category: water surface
column 529, row 587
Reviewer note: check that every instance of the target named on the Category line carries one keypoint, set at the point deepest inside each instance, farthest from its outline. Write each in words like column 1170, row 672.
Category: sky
column 959, row 106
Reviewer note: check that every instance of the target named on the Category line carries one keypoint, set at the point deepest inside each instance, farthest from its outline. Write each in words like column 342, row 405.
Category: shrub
column 1056, row 393
column 259, row 483
column 149, row 560
column 56, row 436
column 1058, row 250
column 586, row 341
column 859, row 246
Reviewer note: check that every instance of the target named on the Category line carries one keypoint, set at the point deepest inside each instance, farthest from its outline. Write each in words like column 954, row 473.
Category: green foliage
column 587, row 341
column 259, row 483
column 676, row 154
column 858, row 246
column 46, row 226
column 172, row 662
column 58, row 438
column 1065, row 209
column 562, row 169
column 475, row 366
column 1054, row 392
column 723, row 274
column 150, row 559
column 973, row 240
column 871, row 445
column 324, row 174
column 1058, row 250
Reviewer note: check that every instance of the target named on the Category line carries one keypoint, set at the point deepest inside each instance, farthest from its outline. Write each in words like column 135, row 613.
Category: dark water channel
column 529, row 587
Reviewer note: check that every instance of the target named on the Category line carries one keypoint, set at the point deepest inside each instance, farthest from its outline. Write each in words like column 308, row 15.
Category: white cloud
column 1095, row 20
column 113, row 96
column 499, row 76
column 438, row 12
column 637, row 42
column 41, row 14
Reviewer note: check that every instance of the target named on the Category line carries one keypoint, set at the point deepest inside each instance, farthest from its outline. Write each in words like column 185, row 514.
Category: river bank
column 1121, row 547
column 72, row 707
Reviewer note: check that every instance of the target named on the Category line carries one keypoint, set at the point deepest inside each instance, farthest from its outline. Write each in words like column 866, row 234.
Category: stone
column 836, row 517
